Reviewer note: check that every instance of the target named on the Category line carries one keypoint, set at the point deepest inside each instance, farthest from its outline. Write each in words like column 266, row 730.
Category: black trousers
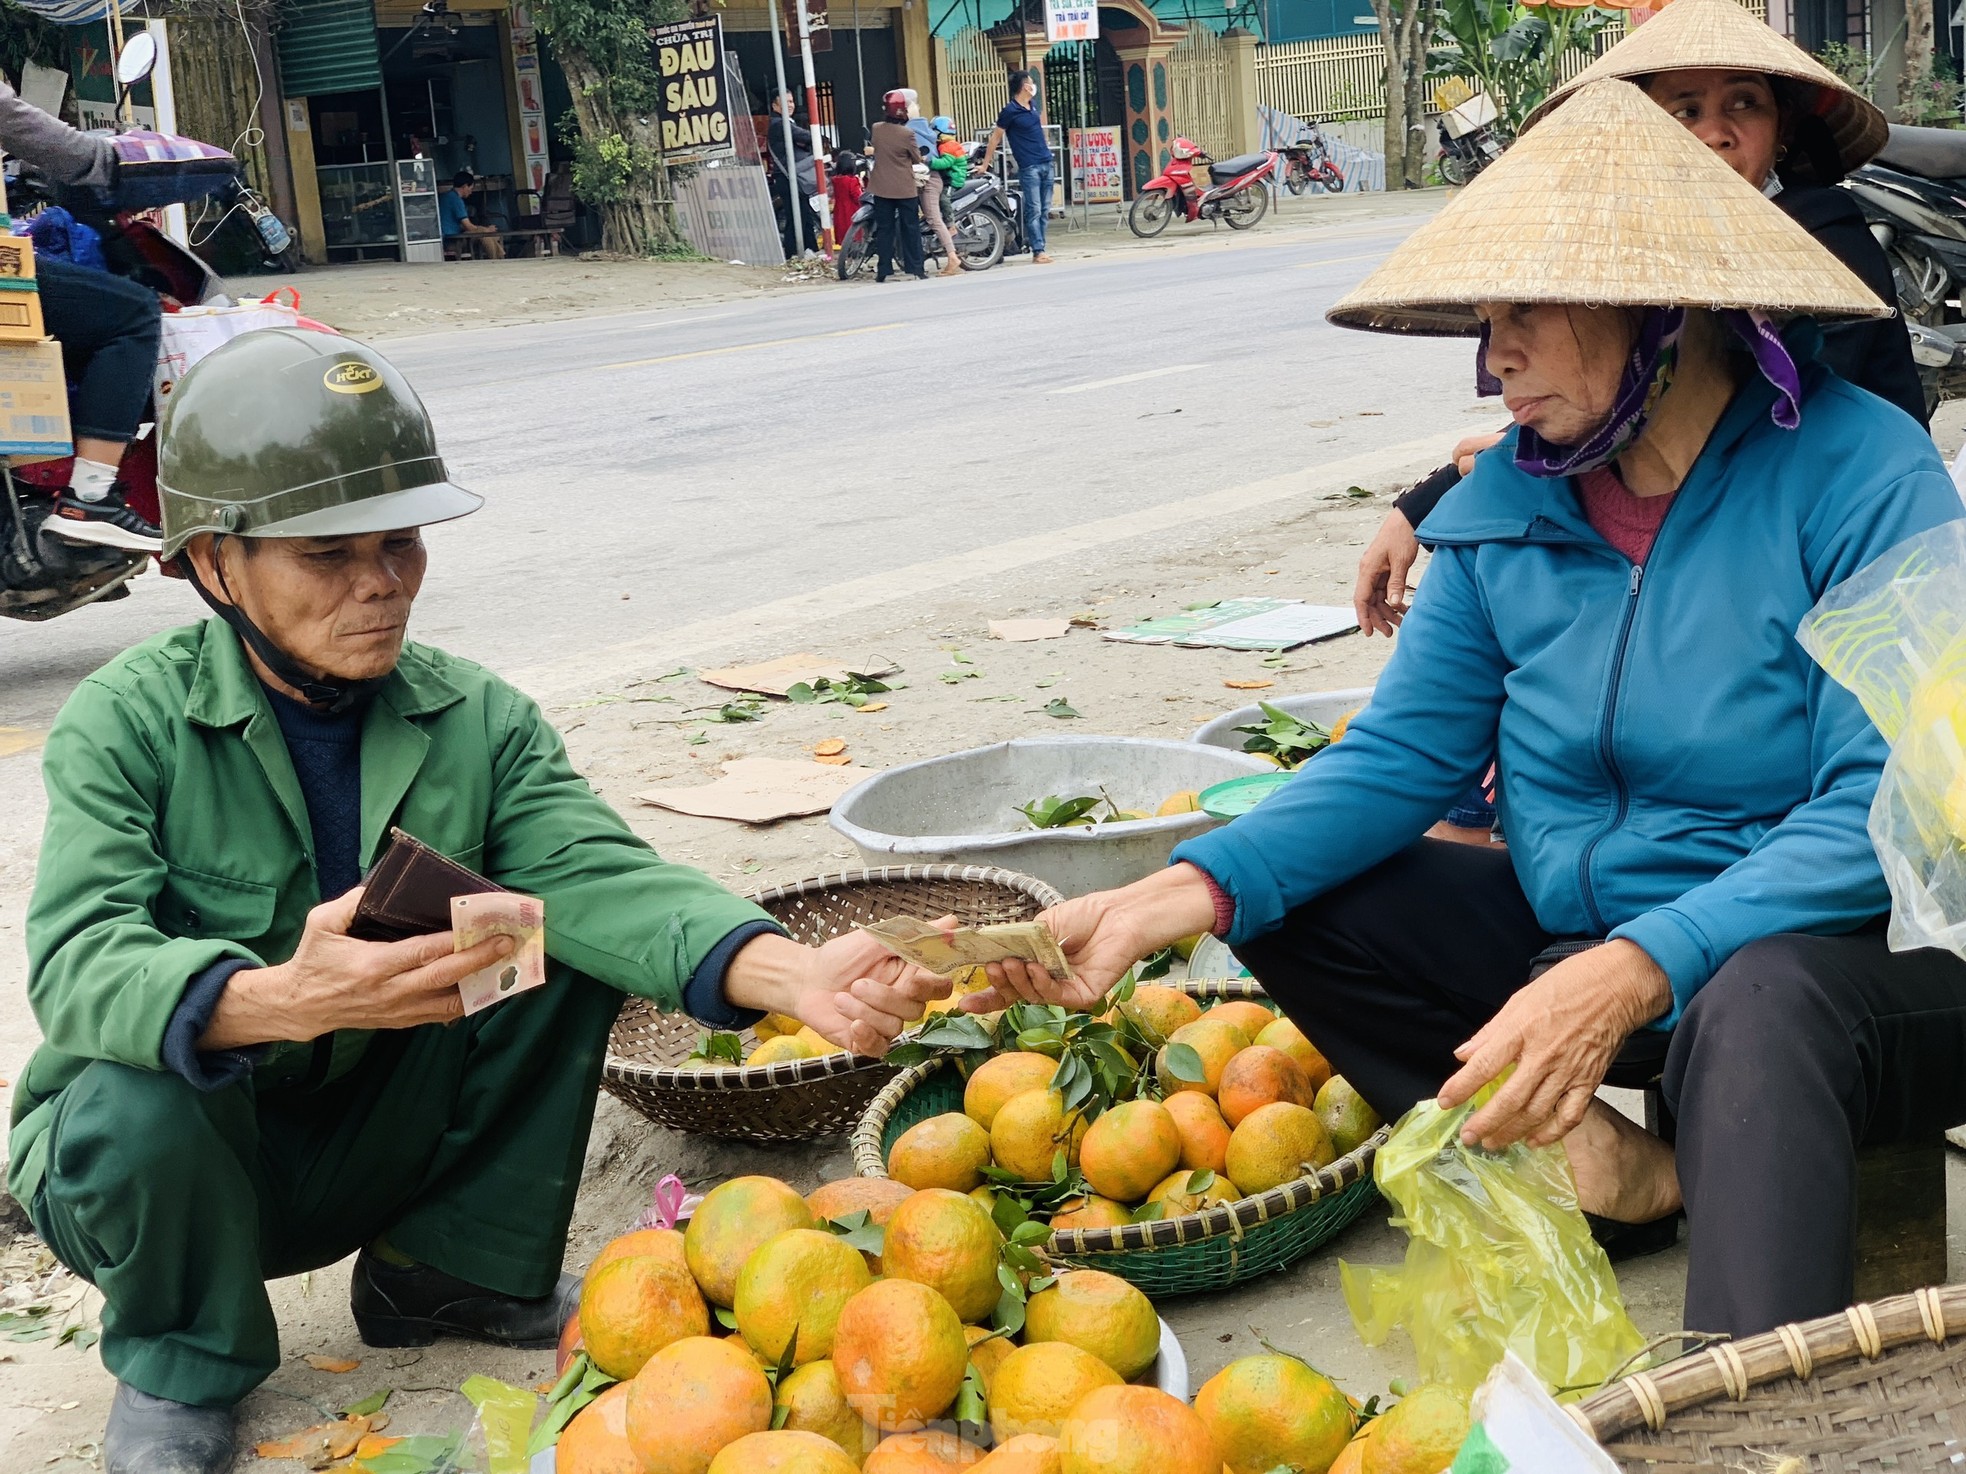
column 787, row 201
column 1799, row 1050
column 897, row 232
column 108, row 330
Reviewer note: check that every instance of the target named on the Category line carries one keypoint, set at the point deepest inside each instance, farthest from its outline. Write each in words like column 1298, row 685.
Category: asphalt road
column 656, row 469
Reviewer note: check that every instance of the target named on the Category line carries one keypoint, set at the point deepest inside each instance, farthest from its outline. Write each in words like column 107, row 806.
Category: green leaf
column 1009, row 1212
column 860, row 1232
column 1037, row 1287
column 78, row 1335
column 1060, row 708
column 1183, row 1062
column 969, row 1401
column 725, row 1318
column 1019, row 1257
column 1200, row 1180
column 1060, row 1165
column 789, row 1358
column 1155, row 965
column 373, row 1403
column 1149, row 1212
column 720, row 1046
column 801, row 694
column 1028, row 1232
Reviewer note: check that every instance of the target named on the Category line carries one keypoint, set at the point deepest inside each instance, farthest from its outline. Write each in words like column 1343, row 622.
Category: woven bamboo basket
column 797, row 1100
column 1210, row 1250
column 1879, row 1387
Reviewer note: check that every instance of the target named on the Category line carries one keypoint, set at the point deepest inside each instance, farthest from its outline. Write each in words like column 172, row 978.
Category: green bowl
column 1234, row 797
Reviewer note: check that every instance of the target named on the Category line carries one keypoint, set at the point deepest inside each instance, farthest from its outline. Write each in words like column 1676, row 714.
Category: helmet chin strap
column 331, row 697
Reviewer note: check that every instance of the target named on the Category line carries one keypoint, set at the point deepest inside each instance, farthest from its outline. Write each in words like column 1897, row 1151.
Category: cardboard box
column 33, row 400
column 20, row 294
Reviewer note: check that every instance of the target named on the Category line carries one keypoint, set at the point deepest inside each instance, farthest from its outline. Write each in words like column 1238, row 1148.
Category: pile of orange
column 1265, row 1109
column 874, row 1354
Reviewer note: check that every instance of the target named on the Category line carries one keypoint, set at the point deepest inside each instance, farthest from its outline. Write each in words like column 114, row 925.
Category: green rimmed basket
column 1210, row 1250
column 798, row 1100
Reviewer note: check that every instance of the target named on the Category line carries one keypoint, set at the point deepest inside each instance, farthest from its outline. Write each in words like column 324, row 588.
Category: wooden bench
column 541, row 242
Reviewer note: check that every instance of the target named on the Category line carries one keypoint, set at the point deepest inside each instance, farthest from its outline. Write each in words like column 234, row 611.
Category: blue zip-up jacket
column 1674, row 769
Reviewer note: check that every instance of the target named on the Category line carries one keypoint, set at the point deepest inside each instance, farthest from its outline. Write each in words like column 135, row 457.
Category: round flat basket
column 1210, row 1250
column 1878, row 1387
column 797, row 1100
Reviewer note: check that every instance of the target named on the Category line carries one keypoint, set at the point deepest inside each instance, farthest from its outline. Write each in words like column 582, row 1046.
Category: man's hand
column 852, row 990
column 1561, row 1033
column 1380, row 596
column 334, row 981
column 1102, row 935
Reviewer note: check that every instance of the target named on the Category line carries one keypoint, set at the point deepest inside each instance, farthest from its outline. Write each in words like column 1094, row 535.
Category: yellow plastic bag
column 1499, row 1258
column 1895, row 635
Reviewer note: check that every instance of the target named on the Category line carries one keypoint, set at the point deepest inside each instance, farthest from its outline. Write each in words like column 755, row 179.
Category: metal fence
column 976, row 76
column 1199, row 92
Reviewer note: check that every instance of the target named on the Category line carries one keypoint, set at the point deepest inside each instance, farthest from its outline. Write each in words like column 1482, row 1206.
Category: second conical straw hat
column 1720, row 35
column 1609, row 203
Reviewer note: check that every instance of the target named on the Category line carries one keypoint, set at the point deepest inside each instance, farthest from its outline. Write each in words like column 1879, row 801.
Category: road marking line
column 20, row 739
column 1341, row 260
column 1155, row 373
column 606, row 668
column 747, row 347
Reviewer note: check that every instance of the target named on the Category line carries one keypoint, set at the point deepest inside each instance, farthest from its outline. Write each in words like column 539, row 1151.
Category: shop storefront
column 386, row 102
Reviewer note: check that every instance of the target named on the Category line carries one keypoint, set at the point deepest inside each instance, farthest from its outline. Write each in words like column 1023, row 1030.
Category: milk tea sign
column 695, row 105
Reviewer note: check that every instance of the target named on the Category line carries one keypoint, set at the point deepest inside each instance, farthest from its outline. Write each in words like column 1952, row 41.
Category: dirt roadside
column 385, row 300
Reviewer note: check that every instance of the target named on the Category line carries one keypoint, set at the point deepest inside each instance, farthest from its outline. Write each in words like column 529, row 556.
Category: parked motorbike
column 981, row 220
column 1237, row 191
column 42, row 575
column 1309, row 162
column 1913, row 194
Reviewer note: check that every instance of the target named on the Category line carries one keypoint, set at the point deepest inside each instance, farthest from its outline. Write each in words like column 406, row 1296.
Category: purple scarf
column 1648, row 374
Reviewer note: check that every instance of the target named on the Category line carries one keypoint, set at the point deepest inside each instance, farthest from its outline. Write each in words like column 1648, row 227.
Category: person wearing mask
column 794, row 180
column 108, row 329
column 948, row 170
column 1783, row 122
column 895, row 186
column 1020, row 123
column 1613, row 606
column 454, row 212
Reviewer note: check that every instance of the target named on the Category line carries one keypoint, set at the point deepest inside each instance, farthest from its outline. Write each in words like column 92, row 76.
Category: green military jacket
column 177, row 837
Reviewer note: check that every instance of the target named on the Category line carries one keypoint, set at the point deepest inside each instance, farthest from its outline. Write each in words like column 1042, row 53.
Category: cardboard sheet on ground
column 758, row 790
column 1021, row 630
column 1243, row 624
column 776, row 677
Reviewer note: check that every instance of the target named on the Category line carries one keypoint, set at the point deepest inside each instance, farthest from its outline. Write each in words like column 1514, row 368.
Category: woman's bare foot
column 1623, row 1172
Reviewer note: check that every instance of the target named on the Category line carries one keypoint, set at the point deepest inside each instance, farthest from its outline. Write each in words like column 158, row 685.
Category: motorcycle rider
column 108, row 330
column 233, row 1087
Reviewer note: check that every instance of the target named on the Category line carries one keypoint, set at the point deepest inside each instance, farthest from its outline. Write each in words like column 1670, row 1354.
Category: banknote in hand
column 476, row 919
column 946, row 953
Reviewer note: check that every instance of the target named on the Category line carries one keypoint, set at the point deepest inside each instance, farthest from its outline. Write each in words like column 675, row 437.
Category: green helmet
column 288, row 433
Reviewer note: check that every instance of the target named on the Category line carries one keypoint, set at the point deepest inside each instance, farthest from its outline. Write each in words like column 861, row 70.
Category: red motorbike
column 1237, row 191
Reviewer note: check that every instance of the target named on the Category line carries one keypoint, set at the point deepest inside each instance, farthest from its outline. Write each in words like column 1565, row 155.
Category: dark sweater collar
column 303, row 723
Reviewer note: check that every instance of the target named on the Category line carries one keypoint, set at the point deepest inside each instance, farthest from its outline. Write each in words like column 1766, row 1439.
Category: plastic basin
column 1322, row 707
column 962, row 808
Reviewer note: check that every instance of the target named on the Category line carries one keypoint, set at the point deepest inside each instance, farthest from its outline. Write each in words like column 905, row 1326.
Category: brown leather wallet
column 408, row 891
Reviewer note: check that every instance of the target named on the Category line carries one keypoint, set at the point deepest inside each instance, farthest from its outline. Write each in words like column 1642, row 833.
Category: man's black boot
column 153, row 1435
column 413, row 1305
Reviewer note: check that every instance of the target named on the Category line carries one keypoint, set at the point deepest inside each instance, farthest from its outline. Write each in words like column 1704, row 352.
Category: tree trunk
column 1395, row 130
column 1918, row 40
column 642, row 222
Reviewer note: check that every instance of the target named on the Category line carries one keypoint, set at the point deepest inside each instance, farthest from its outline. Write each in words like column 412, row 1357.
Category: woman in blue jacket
column 1612, row 610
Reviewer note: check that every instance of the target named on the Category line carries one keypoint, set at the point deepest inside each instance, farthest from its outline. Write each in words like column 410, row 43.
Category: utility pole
column 785, row 123
column 812, row 121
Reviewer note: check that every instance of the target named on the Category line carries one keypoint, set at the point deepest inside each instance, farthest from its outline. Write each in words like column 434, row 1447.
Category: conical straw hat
column 1720, row 34
column 1609, row 203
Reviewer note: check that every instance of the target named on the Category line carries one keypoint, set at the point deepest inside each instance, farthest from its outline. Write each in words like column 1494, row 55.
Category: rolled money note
column 476, row 919
column 945, row 953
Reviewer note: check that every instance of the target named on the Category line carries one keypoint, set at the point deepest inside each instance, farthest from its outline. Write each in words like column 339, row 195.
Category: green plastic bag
column 1498, row 1258
column 1895, row 635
